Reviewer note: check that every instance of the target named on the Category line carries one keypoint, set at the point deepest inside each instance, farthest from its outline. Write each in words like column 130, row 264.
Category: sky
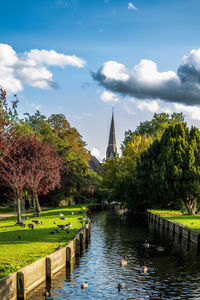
column 81, row 57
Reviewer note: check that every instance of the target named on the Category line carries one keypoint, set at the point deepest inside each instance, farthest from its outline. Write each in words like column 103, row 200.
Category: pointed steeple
column 112, row 148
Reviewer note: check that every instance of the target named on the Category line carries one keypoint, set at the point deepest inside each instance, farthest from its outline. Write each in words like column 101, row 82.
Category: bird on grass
column 72, row 212
column 56, row 230
column 54, row 222
column 52, row 232
column 31, row 226
column 123, row 262
column 58, row 248
column 121, row 286
column 61, row 215
column 61, row 226
column 21, row 224
column 84, row 285
column 37, row 222
column 19, row 237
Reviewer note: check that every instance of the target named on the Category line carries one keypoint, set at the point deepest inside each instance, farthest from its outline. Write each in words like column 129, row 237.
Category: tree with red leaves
column 13, row 168
column 43, row 168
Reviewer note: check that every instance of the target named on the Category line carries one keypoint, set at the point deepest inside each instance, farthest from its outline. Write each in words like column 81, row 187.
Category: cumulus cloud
column 131, row 6
column 32, row 67
column 107, row 96
column 144, row 81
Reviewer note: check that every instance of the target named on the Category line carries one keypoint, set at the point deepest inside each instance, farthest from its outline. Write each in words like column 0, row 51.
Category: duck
column 160, row 249
column 84, row 285
column 61, row 215
column 146, row 244
column 121, row 286
column 46, row 293
column 123, row 262
column 144, row 268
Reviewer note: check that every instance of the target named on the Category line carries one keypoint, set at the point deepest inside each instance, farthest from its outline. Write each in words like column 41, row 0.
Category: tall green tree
column 170, row 169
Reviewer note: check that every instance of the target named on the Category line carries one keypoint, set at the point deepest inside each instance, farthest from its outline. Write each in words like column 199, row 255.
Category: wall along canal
column 175, row 272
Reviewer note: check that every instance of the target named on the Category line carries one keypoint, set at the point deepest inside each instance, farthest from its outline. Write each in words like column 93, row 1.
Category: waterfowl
column 56, row 230
column 123, row 262
column 160, row 249
column 72, row 212
column 61, row 226
column 146, row 244
column 144, row 268
column 46, row 293
column 37, row 222
column 61, row 215
column 121, row 286
column 31, row 226
column 84, row 285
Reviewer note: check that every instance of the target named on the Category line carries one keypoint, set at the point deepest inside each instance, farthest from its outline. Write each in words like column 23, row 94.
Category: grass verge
column 34, row 244
column 191, row 222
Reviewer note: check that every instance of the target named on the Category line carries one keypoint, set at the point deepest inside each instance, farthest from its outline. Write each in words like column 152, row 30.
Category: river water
column 174, row 273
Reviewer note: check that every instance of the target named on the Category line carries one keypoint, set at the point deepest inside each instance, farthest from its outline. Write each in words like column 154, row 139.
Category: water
column 175, row 273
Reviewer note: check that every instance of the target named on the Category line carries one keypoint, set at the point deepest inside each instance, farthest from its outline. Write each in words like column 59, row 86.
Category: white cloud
column 95, row 152
column 151, row 106
column 131, row 6
column 31, row 67
column 144, row 81
column 107, row 96
column 129, row 110
column 192, row 112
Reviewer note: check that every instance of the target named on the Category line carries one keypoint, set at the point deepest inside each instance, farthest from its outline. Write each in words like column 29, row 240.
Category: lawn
column 191, row 222
column 37, row 243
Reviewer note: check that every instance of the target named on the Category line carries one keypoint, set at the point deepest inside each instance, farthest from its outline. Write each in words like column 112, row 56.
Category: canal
column 174, row 273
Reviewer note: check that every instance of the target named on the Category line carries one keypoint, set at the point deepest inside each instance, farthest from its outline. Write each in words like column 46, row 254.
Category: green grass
column 191, row 222
column 37, row 243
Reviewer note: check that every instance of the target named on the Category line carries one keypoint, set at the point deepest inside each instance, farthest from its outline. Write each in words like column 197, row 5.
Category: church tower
column 112, row 148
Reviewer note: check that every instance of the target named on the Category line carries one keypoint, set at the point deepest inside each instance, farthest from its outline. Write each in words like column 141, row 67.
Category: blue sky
column 158, row 33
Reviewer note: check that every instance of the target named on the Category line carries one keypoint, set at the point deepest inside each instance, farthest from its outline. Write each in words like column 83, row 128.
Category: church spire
column 112, row 148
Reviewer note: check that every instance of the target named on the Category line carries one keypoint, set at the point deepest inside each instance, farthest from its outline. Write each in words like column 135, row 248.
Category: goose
column 72, row 212
column 84, row 285
column 37, row 222
column 121, row 286
column 56, row 230
column 146, row 244
column 123, row 262
column 61, row 226
column 31, row 226
column 61, row 215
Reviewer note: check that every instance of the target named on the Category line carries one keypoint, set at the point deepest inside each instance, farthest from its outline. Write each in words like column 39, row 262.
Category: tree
column 43, row 166
column 170, row 168
column 13, row 168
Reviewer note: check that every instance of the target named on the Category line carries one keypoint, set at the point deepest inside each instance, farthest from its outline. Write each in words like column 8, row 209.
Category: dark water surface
column 175, row 273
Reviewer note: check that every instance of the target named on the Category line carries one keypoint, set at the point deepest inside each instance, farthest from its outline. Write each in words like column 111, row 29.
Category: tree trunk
column 37, row 206
column 19, row 217
column 191, row 206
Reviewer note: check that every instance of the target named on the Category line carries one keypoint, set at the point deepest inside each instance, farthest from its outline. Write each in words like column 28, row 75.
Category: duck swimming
column 84, row 285
column 121, row 286
column 123, row 262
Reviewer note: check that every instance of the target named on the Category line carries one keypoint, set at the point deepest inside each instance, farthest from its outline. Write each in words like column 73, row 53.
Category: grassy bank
column 191, row 222
column 37, row 243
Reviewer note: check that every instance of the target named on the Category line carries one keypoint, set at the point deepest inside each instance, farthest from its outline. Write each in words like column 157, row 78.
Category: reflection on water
column 175, row 273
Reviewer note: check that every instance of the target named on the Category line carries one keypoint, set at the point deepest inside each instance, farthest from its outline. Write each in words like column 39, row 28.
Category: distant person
column 27, row 203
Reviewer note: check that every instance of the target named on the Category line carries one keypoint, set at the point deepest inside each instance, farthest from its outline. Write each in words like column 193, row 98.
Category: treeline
column 159, row 166
column 44, row 160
